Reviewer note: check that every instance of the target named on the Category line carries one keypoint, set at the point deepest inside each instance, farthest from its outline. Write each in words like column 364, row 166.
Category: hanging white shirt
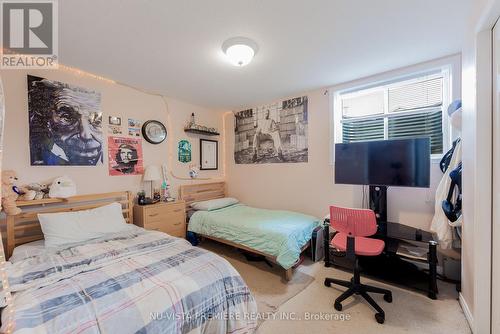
column 440, row 223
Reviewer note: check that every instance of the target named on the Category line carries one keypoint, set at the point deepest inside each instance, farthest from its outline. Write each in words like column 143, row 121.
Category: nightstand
column 165, row 217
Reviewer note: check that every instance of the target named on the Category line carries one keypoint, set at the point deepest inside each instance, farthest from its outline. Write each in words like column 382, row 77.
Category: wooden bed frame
column 206, row 191
column 25, row 227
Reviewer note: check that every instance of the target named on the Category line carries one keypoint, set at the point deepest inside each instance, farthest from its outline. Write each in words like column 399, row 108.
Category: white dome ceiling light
column 239, row 50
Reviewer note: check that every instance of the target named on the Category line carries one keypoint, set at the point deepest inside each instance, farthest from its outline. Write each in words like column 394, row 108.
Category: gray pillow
column 214, row 204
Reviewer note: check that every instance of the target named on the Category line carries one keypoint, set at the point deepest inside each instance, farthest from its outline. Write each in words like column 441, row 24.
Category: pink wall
column 306, row 187
column 309, row 187
column 117, row 100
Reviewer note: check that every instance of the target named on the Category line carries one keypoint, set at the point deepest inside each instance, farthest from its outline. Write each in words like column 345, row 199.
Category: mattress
column 135, row 281
column 281, row 234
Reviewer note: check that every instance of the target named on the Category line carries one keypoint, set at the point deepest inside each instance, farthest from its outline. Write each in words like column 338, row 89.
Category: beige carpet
column 267, row 284
column 310, row 304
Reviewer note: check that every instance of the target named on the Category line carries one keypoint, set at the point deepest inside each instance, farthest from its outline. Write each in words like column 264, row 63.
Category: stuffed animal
column 62, row 187
column 11, row 192
column 41, row 190
column 45, row 190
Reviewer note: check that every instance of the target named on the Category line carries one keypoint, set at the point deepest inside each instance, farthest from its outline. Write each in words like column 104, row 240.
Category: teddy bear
column 11, row 192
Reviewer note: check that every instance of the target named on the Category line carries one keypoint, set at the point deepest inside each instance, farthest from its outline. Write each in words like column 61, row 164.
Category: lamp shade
column 239, row 50
column 152, row 173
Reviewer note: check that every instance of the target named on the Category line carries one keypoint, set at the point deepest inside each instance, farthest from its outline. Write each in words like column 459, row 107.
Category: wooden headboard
column 25, row 227
column 202, row 192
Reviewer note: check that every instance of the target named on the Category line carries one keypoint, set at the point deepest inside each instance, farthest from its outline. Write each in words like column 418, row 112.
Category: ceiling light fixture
column 239, row 50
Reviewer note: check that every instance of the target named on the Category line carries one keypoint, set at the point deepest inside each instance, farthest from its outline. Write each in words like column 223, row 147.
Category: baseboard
column 467, row 312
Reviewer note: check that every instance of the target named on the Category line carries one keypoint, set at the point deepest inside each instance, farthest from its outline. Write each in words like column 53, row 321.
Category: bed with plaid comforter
column 132, row 282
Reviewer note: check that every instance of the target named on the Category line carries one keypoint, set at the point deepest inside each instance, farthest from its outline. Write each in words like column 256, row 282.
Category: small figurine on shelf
column 193, row 171
column 166, row 197
column 156, row 196
column 191, row 124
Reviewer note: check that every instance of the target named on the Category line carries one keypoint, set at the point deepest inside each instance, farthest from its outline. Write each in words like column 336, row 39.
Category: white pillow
column 214, row 204
column 67, row 227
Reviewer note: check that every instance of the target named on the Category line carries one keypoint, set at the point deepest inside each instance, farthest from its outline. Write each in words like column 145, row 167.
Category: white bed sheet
column 27, row 250
column 35, row 248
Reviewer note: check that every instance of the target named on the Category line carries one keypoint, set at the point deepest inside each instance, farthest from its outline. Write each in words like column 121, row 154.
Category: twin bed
column 143, row 281
column 280, row 236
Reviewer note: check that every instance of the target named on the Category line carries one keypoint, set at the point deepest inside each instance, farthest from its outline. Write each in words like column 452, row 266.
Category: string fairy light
column 224, row 141
column 59, row 66
column 171, row 148
column 5, row 289
column 9, row 298
column 81, row 73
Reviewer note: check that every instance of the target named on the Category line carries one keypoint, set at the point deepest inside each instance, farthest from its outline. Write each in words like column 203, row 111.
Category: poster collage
column 66, row 128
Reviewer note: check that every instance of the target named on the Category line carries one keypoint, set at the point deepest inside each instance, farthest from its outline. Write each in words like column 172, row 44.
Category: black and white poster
column 65, row 124
column 274, row 133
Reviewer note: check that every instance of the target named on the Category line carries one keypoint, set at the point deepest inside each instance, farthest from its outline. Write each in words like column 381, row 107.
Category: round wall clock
column 154, row 132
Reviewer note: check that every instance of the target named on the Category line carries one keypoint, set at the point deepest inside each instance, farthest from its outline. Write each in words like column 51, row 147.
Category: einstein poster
column 65, row 124
column 125, row 156
column 274, row 133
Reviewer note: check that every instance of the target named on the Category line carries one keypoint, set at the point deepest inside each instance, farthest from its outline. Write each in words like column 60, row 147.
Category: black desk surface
column 402, row 232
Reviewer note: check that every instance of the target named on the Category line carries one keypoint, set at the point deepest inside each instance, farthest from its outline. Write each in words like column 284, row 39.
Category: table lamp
column 152, row 174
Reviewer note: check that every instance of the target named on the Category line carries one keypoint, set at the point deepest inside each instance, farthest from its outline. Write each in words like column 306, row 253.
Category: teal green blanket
column 278, row 233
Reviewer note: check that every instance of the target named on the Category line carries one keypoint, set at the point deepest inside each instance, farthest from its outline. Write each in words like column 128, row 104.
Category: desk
column 391, row 266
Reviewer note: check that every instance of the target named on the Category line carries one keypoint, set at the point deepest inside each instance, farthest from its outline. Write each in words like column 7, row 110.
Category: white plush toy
column 62, row 187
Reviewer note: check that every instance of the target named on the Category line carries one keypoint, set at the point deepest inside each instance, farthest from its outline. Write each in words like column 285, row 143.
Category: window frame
column 449, row 67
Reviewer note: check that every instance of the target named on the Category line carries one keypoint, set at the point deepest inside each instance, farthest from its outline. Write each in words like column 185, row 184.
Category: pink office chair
column 353, row 226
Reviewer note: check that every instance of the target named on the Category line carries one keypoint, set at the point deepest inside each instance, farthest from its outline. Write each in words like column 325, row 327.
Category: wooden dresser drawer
column 169, row 218
column 175, row 232
column 162, row 217
column 163, row 210
column 165, row 225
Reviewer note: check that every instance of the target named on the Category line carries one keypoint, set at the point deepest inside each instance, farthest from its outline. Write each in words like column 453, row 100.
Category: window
column 406, row 108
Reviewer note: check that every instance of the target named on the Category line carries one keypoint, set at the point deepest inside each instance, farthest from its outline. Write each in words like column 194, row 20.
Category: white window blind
column 357, row 105
column 406, row 109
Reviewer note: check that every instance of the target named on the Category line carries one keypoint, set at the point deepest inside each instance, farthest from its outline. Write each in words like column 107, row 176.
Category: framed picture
column 115, row 120
column 125, row 156
column 55, row 110
column 184, row 148
column 209, row 154
column 272, row 133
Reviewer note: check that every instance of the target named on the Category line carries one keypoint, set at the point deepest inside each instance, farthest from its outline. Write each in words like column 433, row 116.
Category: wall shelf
column 39, row 202
column 202, row 132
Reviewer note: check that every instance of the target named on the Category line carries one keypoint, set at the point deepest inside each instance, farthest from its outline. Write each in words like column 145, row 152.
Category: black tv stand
column 378, row 202
column 392, row 265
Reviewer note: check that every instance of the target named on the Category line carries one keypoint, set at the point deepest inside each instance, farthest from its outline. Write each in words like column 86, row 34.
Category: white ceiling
column 173, row 47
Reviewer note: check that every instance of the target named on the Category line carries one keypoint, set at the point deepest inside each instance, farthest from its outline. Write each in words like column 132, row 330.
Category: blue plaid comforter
column 133, row 282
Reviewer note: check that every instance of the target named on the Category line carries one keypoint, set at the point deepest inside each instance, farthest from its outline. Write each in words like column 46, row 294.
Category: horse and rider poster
column 274, row 133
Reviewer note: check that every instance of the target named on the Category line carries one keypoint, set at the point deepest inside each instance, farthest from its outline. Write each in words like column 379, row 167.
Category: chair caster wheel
column 327, row 284
column 380, row 317
column 338, row 306
column 388, row 297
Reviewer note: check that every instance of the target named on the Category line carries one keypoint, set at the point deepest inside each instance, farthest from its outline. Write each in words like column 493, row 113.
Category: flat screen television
column 400, row 162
